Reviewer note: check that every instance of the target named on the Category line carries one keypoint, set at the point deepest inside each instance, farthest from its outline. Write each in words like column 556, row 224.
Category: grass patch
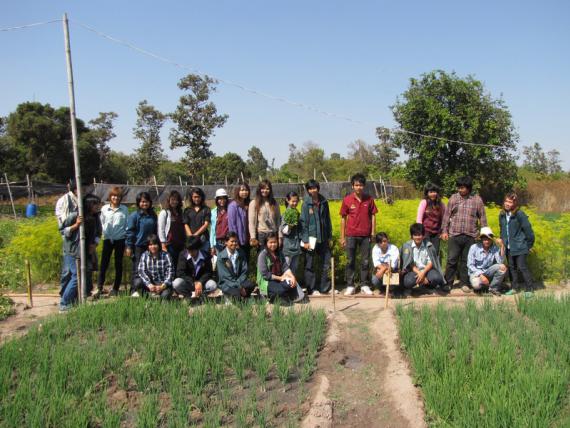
column 137, row 362
column 491, row 365
column 6, row 307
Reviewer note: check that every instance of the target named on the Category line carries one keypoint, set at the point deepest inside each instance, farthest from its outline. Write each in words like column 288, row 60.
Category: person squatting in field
column 485, row 263
column 194, row 275
column 155, row 272
column 385, row 259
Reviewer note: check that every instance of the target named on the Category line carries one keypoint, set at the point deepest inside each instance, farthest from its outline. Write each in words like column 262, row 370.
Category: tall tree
column 196, row 119
column 229, row 166
column 256, row 163
column 386, row 154
column 537, row 161
column 444, row 105
column 149, row 155
column 102, row 132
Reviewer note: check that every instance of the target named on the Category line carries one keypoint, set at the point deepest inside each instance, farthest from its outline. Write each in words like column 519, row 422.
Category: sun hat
column 221, row 193
column 486, row 231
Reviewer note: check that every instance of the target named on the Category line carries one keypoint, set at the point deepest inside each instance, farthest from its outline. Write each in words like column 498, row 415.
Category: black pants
column 281, row 290
column 518, row 264
column 362, row 244
column 323, row 252
column 138, row 285
column 136, row 258
column 235, row 293
column 433, row 276
column 109, row 246
column 435, row 241
column 457, row 252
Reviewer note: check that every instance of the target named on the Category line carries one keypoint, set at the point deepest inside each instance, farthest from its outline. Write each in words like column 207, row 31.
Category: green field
column 138, row 362
column 491, row 366
column 38, row 241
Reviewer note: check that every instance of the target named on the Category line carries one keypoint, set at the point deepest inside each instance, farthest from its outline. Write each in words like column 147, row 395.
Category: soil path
column 19, row 323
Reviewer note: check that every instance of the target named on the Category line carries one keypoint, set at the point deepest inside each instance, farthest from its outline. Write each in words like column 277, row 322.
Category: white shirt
column 392, row 255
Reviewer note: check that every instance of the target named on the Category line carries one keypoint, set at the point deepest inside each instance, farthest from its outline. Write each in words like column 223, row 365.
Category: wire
column 36, row 24
column 243, row 87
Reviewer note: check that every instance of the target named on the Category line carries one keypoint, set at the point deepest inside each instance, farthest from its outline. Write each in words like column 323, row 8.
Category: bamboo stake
column 324, row 176
column 29, row 279
column 155, row 186
column 11, row 199
column 332, row 282
column 388, row 285
column 180, row 180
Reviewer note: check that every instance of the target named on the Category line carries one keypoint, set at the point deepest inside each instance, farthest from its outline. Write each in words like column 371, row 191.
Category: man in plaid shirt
column 464, row 211
column 155, row 272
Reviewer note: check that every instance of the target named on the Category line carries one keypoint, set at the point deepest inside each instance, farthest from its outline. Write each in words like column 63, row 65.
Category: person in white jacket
column 171, row 226
column 384, row 257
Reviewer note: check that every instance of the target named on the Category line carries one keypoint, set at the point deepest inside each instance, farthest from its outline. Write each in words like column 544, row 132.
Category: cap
column 486, row 231
column 221, row 193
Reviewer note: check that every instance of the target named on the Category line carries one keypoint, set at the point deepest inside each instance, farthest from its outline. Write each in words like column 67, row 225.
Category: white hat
column 221, row 193
column 486, row 231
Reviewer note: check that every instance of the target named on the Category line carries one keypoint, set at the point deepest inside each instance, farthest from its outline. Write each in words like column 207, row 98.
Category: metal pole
column 82, row 252
column 11, row 199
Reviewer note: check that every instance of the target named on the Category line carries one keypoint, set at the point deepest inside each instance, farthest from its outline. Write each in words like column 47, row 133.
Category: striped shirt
column 462, row 215
column 156, row 270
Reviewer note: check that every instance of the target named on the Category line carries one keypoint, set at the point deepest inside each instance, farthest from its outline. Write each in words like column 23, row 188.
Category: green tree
column 256, row 163
column 229, row 166
column 386, row 154
column 196, row 119
column 535, row 160
column 307, row 161
column 444, row 105
column 149, row 155
column 117, row 168
column 101, row 129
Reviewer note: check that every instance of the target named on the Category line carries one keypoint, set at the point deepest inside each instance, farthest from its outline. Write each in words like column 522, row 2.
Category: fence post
column 29, row 280
column 11, row 198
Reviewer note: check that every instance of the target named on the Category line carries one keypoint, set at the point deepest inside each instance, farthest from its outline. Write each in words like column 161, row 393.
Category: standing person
column 420, row 263
column 485, row 263
column 517, row 237
column 140, row 225
column 316, row 226
column 155, row 272
column 357, row 226
column 274, row 276
column 197, row 217
column 464, row 211
column 67, row 204
column 263, row 215
column 220, row 225
column 385, row 258
column 290, row 231
column 114, row 223
column 93, row 230
column 232, row 270
column 194, row 273
column 237, row 217
column 171, row 227
column 69, row 229
column 430, row 213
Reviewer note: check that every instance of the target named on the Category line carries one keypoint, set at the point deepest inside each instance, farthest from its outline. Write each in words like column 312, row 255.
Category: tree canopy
column 444, row 105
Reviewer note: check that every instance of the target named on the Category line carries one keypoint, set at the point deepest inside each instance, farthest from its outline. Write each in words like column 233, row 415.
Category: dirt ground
column 362, row 379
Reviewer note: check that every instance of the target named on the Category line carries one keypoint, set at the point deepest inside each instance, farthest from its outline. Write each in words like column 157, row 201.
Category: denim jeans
column 68, row 291
column 362, row 244
column 493, row 274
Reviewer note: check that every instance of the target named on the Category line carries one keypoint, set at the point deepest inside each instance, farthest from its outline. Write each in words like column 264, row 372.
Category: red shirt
column 358, row 214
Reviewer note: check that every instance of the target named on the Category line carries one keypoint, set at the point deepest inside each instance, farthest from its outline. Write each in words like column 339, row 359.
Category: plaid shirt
column 462, row 214
column 156, row 270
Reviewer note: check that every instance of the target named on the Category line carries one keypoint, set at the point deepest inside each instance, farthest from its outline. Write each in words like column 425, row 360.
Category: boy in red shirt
column 357, row 227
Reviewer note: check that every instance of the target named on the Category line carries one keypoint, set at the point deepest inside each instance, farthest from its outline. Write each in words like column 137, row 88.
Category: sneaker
column 511, row 292
column 366, row 290
column 495, row 292
column 227, row 301
column 407, row 292
column 96, row 294
column 466, row 289
column 215, row 293
column 135, row 294
column 445, row 288
column 316, row 293
column 528, row 294
column 113, row 293
column 63, row 309
column 349, row 291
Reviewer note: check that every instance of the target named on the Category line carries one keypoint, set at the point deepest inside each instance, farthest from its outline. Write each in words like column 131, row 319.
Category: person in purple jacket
column 430, row 213
column 237, row 217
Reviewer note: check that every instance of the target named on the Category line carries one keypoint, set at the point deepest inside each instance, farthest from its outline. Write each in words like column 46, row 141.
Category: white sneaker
column 135, row 294
column 349, row 291
column 366, row 290
column 316, row 293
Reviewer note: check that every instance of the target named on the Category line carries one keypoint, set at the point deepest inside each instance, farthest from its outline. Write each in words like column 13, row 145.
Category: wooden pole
column 203, row 181
column 180, row 180
column 11, row 198
column 226, row 180
column 242, row 177
column 314, row 173
column 324, row 176
column 29, row 279
column 77, row 165
column 29, row 188
column 332, row 282
column 155, row 187
column 388, row 285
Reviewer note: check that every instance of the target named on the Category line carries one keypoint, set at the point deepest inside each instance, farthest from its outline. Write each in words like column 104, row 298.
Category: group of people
column 190, row 250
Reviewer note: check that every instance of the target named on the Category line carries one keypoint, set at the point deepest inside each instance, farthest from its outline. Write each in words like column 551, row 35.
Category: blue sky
column 348, row 58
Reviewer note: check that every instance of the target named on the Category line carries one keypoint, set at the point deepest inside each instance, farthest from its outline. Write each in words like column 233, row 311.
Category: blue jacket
column 315, row 222
column 139, row 227
column 517, row 235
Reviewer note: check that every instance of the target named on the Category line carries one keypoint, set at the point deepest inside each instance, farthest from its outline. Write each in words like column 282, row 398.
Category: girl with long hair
column 430, row 213
column 197, row 217
column 263, row 215
column 171, row 226
column 237, row 216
